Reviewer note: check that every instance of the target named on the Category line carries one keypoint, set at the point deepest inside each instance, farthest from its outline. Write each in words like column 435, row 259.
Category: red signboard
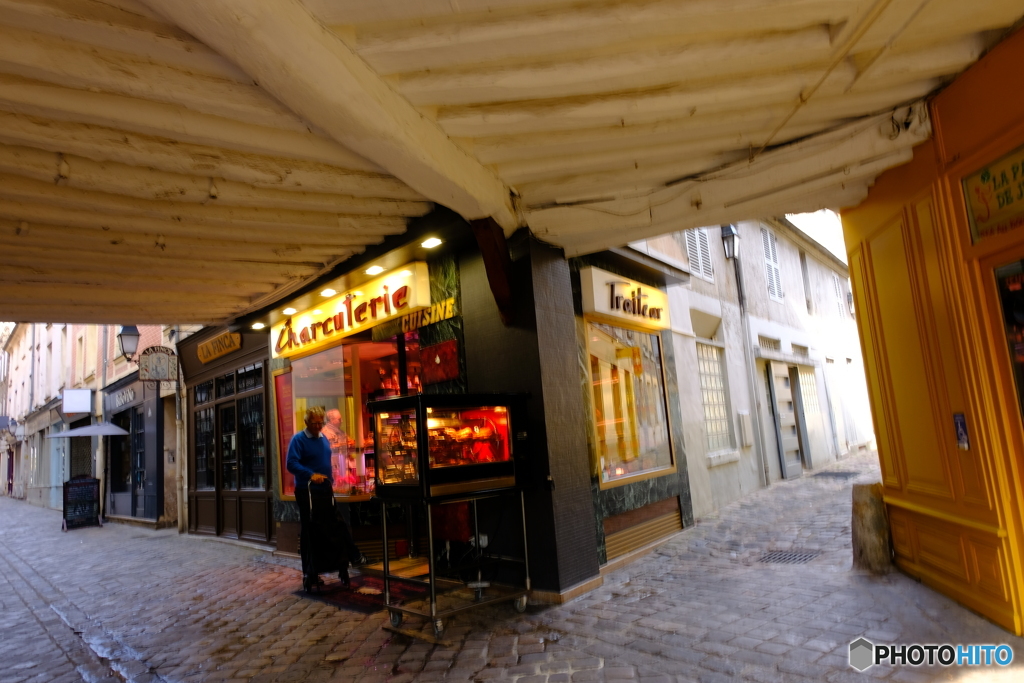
column 285, row 428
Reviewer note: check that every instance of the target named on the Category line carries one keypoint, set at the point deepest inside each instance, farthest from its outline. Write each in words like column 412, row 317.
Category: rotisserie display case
column 436, row 447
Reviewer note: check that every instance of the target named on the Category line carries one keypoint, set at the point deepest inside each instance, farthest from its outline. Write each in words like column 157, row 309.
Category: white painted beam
column 146, row 183
column 532, row 34
column 701, row 64
column 36, row 98
column 84, row 67
column 101, row 143
column 308, row 68
column 20, row 189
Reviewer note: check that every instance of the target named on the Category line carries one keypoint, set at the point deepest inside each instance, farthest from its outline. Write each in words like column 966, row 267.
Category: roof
column 193, row 161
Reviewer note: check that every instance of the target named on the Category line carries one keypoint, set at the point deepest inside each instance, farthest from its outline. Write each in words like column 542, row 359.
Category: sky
column 824, row 227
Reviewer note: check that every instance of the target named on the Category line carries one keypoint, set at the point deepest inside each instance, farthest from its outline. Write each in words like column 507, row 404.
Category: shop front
column 229, row 475
column 134, row 465
column 639, row 483
column 362, row 341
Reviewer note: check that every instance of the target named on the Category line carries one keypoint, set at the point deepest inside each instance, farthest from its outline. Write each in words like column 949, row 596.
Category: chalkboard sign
column 81, row 503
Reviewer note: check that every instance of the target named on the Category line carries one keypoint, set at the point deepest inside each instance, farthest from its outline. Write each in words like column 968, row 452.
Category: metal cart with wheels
column 442, row 449
column 484, row 592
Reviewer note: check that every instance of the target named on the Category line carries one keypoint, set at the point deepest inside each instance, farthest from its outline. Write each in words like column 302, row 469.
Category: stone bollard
column 870, row 530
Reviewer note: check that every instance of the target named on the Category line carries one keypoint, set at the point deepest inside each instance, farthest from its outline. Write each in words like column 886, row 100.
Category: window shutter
column 705, row 253
column 839, row 294
column 699, row 252
column 771, row 264
column 692, row 251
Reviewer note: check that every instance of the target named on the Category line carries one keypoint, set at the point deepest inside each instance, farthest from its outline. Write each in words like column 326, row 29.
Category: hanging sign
column 995, row 196
column 158, row 364
column 616, row 299
column 397, row 293
column 222, row 345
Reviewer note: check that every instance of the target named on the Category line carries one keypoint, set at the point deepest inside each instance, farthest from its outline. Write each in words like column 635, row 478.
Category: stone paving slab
column 123, row 603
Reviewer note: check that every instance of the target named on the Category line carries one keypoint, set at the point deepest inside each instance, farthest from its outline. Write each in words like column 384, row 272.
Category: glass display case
column 436, row 446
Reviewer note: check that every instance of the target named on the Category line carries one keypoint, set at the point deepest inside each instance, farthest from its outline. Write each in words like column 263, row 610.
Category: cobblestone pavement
column 140, row 605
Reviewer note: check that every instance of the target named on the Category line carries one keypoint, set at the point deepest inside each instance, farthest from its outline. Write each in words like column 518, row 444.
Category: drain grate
column 789, row 556
column 837, row 474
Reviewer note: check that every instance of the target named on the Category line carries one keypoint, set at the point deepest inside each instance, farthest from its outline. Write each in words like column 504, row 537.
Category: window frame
column 727, row 399
column 592, row 418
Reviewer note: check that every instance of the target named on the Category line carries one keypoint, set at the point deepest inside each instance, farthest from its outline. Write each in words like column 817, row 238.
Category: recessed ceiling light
column 430, row 243
column 406, row 273
column 317, row 312
column 289, row 311
column 374, row 270
column 258, row 326
column 328, row 292
column 357, row 293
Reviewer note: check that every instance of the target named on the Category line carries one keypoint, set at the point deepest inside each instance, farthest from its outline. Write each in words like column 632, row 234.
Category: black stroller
column 328, row 538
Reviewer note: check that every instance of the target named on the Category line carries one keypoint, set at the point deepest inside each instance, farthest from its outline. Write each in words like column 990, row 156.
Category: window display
column 448, row 443
column 631, row 431
column 341, row 380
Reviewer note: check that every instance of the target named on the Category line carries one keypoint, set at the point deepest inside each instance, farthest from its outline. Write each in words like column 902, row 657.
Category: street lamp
column 730, row 239
column 128, row 340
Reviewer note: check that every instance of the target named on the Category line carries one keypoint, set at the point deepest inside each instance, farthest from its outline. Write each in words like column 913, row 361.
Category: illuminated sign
column 394, row 294
column 219, row 346
column 616, row 299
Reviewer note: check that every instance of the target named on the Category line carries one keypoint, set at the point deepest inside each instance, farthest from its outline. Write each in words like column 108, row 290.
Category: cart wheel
column 438, row 628
column 520, row 604
column 396, row 618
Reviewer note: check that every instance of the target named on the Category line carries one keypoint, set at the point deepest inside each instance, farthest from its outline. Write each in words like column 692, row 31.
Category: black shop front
column 447, row 308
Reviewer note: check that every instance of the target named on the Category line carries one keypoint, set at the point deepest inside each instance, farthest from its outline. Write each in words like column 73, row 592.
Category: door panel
column 786, row 429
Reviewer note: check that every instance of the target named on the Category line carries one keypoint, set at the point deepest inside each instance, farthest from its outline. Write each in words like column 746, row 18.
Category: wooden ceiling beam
column 42, row 213
column 172, row 248
column 654, row 68
column 117, row 314
column 21, row 189
column 447, row 43
column 210, row 266
column 28, row 275
column 146, row 183
column 13, row 294
column 625, row 109
column 309, row 69
column 138, row 241
column 76, row 65
column 736, row 125
column 38, row 98
column 101, row 143
column 103, row 24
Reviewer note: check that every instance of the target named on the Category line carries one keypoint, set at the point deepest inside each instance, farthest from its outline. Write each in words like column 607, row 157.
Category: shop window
column 121, row 455
column 713, row 396
column 228, row 447
column 250, row 377
column 251, row 445
column 341, row 380
column 204, row 448
column 203, row 393
column 631, row 431
column 226, row 385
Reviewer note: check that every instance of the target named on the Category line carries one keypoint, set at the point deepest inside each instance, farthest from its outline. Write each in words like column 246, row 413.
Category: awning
column 98, row 429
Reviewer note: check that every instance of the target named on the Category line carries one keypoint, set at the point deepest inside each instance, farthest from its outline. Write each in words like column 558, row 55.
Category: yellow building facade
column 936, row 253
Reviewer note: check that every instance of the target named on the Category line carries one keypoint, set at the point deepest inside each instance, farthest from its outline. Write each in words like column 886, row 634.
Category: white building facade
column 771, row 383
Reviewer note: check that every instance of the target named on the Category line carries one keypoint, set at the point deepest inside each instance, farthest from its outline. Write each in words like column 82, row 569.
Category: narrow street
column 121, row 602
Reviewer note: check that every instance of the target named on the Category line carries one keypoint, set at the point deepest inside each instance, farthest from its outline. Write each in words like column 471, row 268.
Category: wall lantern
column 730, row 240
column 128, row 340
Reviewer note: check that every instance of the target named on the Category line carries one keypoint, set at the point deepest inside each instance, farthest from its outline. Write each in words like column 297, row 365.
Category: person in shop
column 309, row 460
